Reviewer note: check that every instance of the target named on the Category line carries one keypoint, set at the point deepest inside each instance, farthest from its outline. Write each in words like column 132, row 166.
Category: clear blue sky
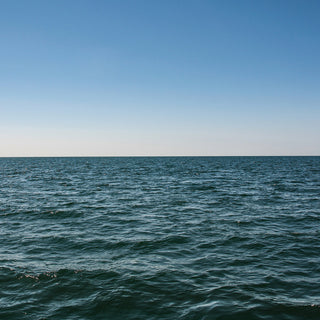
column 159, row 77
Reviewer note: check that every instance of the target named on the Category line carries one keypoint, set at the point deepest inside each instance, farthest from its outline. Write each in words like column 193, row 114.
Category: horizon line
column 156, row 156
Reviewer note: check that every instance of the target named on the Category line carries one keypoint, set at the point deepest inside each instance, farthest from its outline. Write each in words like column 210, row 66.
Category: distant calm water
column 160, row 238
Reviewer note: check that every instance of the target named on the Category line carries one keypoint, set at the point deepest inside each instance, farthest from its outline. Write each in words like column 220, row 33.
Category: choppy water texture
column 160, row 238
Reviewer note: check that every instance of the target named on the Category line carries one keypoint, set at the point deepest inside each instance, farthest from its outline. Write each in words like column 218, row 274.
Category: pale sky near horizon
column 113, row 78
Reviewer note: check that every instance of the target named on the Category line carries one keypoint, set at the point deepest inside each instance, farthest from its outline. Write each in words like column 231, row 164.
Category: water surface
column 160, row 238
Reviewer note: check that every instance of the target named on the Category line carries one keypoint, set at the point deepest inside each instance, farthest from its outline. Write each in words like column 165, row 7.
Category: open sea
column 160, row 238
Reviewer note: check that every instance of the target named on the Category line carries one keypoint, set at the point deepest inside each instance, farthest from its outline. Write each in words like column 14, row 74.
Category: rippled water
column 160, row 238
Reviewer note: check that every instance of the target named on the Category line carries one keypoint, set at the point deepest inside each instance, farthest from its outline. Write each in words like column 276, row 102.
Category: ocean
column 160, row 238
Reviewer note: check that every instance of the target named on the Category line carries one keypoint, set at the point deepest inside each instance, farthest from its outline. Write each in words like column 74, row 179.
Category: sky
column 159, row 78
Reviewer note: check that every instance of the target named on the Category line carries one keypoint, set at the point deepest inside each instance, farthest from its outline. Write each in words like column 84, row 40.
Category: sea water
column 160, row 238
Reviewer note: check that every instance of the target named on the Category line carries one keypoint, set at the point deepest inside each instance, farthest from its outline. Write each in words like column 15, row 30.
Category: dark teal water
column 160, row 238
